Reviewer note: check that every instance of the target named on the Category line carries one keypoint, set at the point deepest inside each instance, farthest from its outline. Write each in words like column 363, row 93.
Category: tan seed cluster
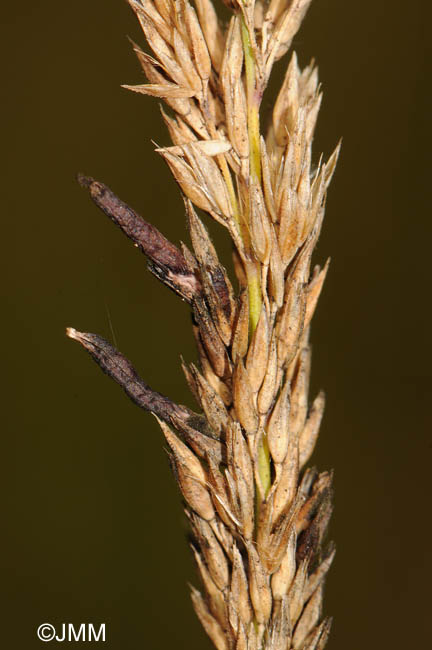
column 258, row 517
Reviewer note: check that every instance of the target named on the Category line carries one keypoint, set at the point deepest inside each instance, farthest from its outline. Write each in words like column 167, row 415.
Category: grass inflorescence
column 257, row 514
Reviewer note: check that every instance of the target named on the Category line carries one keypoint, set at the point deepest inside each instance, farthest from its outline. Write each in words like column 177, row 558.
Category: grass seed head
column 258, row 517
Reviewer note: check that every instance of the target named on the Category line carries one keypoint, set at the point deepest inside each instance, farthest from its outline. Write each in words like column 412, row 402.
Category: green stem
column 253, row 102
column 255, row 297
column 253, row 269
column 264, row 466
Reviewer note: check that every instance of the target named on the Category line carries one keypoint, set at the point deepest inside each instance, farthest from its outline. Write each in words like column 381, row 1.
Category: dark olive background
column 93, row 529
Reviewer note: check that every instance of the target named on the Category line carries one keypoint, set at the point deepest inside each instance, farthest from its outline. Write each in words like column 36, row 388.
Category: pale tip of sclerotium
column 71, row 333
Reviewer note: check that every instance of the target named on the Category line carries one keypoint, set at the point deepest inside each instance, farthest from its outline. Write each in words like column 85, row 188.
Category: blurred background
column 93, row 529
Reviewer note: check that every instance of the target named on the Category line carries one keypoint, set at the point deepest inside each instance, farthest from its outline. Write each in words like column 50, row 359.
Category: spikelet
column 257, row 516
